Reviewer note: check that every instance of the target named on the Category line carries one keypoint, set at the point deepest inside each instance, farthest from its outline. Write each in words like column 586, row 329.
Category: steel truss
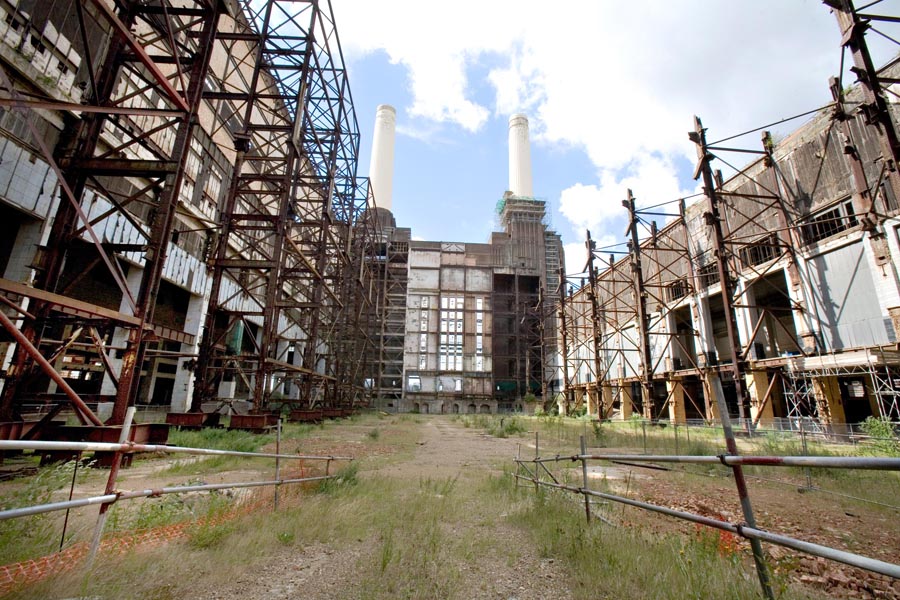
column 175, row 95
column 653, row 314
column 287, row 255
column 881, row 373
column 126, row 143
column 392, row 264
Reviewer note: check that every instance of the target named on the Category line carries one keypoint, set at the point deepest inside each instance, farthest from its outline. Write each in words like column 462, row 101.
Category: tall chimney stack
column 381, row 165
column 519, row 157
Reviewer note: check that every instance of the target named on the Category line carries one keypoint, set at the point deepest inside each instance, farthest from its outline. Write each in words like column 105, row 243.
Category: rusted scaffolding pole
column 714, row 220
column 643, row 318
column 564, row 295
column 596, row 333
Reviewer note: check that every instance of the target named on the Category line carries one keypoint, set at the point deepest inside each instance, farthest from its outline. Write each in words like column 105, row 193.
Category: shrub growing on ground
column 884, row 437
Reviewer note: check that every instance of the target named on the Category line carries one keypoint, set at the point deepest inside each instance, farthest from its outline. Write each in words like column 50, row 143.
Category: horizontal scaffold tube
column 831, row 462
column 849, row 558
column 132, row 447
column 148, row 493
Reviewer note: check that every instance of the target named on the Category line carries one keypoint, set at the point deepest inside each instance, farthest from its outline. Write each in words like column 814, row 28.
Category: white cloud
column 615, row 78
column 619, row 80
column 653, row 180
column 577, row 256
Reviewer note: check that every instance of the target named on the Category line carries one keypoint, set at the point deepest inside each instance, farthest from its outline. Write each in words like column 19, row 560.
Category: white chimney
column 519, row 157
column 381, row 165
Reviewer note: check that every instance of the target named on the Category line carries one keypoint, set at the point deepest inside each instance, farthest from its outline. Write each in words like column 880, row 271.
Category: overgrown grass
column 149, row 513
column 422, row 538
column 495, row 425
column 225, row 439
column 649, row 565
column 27, row 537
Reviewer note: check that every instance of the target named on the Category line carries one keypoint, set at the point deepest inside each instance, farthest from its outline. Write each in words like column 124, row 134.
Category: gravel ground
column 444, row 450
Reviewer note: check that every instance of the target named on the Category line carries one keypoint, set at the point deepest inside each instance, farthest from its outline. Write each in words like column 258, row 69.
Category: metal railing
column 123, row 447
column 534, row 468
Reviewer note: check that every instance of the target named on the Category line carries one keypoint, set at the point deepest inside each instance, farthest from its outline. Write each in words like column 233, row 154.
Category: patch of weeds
column 220, row 439
column 440, row 489
column 158, row 512
column 374, row 434
column 205, row 536
column 344, row 479
column 386, row 554
column 683, row 567
column 286, row 537
column 510, row 426
column 599, row 433
column 26, row 537
column 206, row 533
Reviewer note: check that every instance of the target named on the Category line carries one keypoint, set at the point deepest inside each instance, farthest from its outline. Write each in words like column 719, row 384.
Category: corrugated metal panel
column 845, row 299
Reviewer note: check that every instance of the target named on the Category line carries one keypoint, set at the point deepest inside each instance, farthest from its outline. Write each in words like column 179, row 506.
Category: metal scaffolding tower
column 138, row 113
column 283, row 264
column 224, row 129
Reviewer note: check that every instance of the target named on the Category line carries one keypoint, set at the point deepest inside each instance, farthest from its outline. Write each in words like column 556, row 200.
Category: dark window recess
column 193, row 242
column 829, row 222
column 709, row 274
column 677, row 289
column 38, row 45
column 760, row 251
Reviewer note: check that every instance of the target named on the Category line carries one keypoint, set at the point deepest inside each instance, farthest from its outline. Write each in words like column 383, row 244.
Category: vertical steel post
column 568, row 392
column 875, row 104
column 163, row 225
column 110, row 488
column 714, row 219
column 277, row 460
column 595, row 325
column 643, row 317
column 584, row 477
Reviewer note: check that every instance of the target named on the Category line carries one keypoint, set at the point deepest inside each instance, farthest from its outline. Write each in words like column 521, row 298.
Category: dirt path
column 444, row 451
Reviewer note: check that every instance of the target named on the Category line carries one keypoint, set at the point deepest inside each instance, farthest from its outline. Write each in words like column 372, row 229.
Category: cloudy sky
column 610, row 88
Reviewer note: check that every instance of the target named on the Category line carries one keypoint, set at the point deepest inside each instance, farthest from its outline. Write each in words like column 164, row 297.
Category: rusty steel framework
column 287, row 258
column 290, row 244
column 158, row 48
column 650, row 318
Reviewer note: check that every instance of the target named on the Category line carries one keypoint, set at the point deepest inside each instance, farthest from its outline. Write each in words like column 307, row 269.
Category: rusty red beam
column 145, row 59
column 23, row 342
column 87, row 108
